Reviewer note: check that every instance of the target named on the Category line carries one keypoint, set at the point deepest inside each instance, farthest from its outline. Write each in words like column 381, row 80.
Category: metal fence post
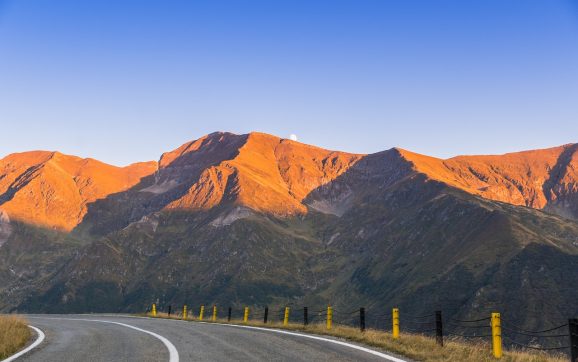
column 573, row 329
column 362, row 319
column 305, row 316
column 439, row 328
column 229, row 314
column 266, row 316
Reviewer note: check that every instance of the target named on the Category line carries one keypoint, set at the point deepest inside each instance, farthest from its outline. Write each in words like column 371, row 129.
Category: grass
column 414, row 346
column 14, row 334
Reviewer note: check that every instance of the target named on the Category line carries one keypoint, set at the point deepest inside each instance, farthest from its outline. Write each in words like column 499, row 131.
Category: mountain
column 43, row 196
column 53, row 190
column 255, row 219
column 541, row 179
column 255, row 173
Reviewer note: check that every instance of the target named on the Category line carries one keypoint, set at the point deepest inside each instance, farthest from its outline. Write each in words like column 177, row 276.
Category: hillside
column 255, row 219
column 542, row 179
column 53, row 190
column 241, row 174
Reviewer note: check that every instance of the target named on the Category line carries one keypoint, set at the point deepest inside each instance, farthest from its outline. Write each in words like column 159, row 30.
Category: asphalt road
column 88, row 338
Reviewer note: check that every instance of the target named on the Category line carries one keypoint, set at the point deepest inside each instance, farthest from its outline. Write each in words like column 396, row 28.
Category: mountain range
column 255, row 219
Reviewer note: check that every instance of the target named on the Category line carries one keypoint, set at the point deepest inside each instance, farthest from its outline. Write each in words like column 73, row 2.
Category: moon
column 293, row 137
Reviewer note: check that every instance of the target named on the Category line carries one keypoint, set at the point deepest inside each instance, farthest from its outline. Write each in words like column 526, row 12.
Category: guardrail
column 492, row 327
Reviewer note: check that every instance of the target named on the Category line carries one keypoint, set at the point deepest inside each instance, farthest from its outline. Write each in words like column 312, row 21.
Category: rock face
column 5, row 227
column 255, row 219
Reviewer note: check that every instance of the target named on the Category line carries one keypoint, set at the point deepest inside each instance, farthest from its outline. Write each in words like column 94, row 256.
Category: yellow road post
column 286, row 317
column 246, row 315
column 395, row 321
column 497, row 335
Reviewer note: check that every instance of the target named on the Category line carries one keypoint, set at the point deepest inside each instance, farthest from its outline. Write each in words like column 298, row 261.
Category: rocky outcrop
column 5, row 227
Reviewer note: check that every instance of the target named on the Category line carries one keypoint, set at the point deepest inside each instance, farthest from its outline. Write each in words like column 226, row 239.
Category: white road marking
column 173, row 353
column 38, row 340
column 345, row 344
column 310, row 336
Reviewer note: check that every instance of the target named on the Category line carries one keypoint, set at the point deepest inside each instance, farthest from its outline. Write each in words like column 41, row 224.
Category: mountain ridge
column 270, row 174
column 53, row 189
column 527, row 178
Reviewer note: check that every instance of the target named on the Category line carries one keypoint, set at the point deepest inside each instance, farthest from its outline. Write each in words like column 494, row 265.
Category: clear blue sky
column 123, row 80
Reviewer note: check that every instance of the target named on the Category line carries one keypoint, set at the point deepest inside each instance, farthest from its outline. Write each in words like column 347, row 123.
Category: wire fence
column 562, row 337
column 549, row 339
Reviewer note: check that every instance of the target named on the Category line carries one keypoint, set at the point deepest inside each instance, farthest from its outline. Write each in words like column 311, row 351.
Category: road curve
column 122, row 338
column 35, row 343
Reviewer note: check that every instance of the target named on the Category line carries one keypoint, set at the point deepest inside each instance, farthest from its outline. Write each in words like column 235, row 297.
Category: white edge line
column 38, row 340
column 173, row 353
column 353, row 346
column 274, row 330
